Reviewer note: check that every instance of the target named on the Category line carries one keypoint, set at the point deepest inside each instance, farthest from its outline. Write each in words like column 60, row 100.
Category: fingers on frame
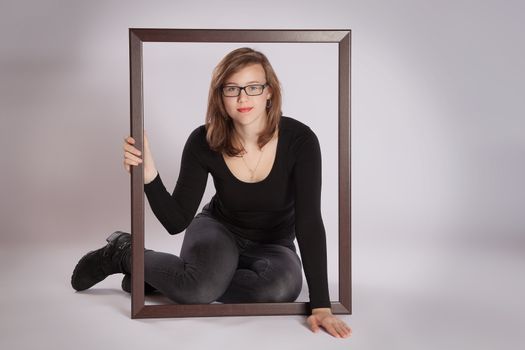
column 132, row 157
column 131, row 149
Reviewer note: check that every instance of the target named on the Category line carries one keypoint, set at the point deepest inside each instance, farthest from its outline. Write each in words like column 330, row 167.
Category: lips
column 244, row 110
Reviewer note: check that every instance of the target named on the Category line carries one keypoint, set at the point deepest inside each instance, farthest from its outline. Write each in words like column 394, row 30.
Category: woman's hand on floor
column 323, row 317
column 132, row 157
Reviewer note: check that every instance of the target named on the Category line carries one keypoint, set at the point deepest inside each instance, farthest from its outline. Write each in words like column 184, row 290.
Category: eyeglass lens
column 250, row 90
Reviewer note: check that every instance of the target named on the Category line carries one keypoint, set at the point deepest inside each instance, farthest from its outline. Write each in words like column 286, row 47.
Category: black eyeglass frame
column 243, row 88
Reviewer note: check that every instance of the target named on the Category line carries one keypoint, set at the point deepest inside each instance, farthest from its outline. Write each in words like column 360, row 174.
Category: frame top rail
column 240, row 35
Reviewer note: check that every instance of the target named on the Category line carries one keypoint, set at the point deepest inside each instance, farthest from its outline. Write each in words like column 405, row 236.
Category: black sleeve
column 309, row 227
column 176, row 211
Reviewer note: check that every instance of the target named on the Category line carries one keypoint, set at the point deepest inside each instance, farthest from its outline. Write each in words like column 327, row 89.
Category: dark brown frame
column 139, row 35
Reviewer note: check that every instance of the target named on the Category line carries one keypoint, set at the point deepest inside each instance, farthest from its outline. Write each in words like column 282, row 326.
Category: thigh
column 210, row 245
column 266, row 273
column 207, row 263
column 208, row 242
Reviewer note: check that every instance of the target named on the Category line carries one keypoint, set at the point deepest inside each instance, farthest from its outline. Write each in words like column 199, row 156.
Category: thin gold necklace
column 252, row 172
column 260, row 157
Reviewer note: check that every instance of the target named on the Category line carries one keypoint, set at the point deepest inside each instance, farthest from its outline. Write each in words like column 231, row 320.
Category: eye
column 253, row 88
column 230, row 88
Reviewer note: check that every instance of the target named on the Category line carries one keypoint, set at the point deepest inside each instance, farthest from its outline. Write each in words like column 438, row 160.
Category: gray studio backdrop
column 438, row 151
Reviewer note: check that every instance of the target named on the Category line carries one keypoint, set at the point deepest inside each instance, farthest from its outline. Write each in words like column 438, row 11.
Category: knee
column 195, row 293
column 198, row 296
column 280, row 289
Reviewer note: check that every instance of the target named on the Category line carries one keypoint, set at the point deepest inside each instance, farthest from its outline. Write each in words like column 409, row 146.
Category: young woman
column 266, row 168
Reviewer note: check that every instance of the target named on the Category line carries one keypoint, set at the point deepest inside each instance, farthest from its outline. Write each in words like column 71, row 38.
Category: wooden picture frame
column 137, row 36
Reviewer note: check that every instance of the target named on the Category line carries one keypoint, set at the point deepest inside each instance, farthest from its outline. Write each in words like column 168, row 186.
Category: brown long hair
column 219, row 126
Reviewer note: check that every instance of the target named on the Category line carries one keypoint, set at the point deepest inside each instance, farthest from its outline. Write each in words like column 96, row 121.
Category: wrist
column 321, row 310
column 150, row 177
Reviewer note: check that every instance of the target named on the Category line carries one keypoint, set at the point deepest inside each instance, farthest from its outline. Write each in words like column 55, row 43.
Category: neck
column 248, row 134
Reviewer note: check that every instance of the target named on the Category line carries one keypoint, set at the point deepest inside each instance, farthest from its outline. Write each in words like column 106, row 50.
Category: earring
column 268, row 105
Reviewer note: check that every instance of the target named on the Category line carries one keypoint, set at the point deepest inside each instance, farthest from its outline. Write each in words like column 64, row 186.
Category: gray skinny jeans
column 217, row 265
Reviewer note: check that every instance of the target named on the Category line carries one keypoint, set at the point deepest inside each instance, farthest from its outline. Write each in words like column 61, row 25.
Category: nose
column 242, row 96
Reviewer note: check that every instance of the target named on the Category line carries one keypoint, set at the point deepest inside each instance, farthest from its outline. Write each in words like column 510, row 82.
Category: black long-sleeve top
column 286, row 204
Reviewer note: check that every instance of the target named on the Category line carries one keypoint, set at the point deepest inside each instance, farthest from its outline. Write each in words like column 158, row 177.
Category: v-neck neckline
column 274, row 165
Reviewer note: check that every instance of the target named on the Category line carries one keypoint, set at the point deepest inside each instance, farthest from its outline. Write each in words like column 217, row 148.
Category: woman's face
column 245, row 109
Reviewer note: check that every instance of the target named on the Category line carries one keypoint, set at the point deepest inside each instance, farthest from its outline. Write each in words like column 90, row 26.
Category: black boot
column 99, row 264
column 126, row 286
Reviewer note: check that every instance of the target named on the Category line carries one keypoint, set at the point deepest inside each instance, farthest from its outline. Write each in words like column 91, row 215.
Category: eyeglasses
column 250, row 90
